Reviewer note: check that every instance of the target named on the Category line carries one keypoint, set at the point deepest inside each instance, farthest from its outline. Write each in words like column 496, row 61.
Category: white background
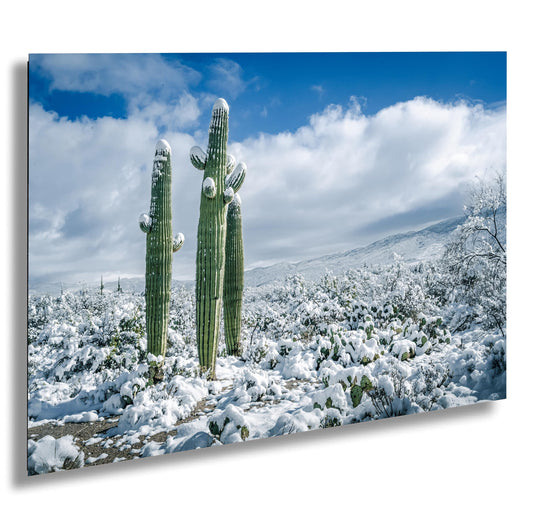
column 473, row 460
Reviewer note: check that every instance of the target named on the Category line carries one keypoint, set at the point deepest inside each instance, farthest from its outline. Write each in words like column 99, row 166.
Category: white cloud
column 319, row 89
column 174, row 115
column 115, row 73
column 339, row 182
column 315, row 190
column 89, row 181
column 227, row 78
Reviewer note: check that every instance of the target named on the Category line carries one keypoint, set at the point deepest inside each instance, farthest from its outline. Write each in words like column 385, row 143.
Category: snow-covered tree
column 476, row 258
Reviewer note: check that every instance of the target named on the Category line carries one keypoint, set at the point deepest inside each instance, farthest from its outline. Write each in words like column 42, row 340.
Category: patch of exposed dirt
column 101, row 448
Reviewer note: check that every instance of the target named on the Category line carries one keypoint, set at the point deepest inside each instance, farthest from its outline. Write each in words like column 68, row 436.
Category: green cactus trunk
column 159, row 249
column 221, row 180
column 233, row 278
column 211, row 242
column 159, row 255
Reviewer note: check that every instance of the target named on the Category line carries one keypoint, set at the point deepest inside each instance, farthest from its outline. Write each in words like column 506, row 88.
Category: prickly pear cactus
column 159, row 249
column 234, row 267
column 210, row 254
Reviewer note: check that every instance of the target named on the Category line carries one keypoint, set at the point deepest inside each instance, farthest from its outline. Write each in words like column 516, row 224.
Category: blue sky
column 278, row 92
column 342, row 148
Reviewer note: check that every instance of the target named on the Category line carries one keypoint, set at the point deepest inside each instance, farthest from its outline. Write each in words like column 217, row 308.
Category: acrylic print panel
column 227, row 247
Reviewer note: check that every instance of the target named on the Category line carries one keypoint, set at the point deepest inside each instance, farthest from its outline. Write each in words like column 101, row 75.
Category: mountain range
column 411, row 247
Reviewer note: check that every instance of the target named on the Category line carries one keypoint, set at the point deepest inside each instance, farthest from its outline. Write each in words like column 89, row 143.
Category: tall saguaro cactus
column 233, row 276
column 159, row 249
column 217, row 192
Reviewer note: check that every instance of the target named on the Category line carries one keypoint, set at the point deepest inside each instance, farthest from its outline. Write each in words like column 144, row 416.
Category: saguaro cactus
column 217, row 192
column 234, row 268
column 159, row 248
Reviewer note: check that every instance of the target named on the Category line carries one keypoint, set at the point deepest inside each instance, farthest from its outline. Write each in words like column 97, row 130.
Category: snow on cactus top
column 221, row 104
column 162, row 147
column 145, row 220
column 209, row 187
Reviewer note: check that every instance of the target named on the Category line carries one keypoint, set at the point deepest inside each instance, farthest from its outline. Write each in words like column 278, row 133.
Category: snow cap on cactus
column 209, row 188
column 198, row 157
column 162, row 146
column 236, row 178
column 177, row 242
column 228, row 195
column 221, row 104
column 145, row 222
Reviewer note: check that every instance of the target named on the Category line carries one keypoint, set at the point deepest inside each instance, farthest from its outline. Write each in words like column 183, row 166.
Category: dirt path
column 98, row 446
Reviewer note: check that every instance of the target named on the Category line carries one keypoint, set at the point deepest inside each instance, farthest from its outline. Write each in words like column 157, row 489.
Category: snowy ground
column 369, row 345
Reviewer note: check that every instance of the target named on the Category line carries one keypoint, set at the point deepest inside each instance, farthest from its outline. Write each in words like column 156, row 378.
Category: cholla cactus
column 217, row 192
column 234, row 268
column 159, row 248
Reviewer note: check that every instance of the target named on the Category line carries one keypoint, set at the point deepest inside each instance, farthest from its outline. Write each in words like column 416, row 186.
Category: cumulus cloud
column 341, row 181
column 105, row 74
column 89, row 180
column 318, row 189
column 157, row 89
column 177, row 114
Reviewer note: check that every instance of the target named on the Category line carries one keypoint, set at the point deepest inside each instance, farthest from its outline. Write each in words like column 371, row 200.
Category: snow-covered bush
column 163, row 404
column 255, row 385
column 90, row 352
column 391, row 391
column 375, row 342
column 229, row 425
column 298, row 308
column 50, row 454
column 255, row 352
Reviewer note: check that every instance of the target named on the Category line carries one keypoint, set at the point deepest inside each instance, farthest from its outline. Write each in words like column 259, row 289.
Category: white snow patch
column 83, row 417
column 49, row 454
column 90, row 460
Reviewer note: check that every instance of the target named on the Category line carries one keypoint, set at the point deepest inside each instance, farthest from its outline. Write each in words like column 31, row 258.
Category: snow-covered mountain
column 412, row 247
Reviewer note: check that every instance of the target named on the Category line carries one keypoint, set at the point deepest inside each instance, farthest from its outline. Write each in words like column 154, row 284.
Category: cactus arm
column 236, row 178
column 228, row 195
column 198, row 157
column 230, row 164
column 209, row 188
column 145, row 223
column 177, row 242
